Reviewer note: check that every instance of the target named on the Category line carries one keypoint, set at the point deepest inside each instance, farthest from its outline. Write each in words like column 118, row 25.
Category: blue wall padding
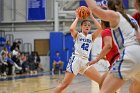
column 69, row 46
column 62, row 43
column 56, row 44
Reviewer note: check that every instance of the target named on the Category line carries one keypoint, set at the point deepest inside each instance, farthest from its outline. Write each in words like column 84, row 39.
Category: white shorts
column 77, row 65
column 128, row 65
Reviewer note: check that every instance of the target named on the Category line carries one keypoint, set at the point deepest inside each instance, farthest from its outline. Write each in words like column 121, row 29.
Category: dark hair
column 35, row 52
column 138, row 1
column 106, row 23
column 117, row 5
column 19, row 42
column 3, row 53
column 57, row 52
column 84, row 21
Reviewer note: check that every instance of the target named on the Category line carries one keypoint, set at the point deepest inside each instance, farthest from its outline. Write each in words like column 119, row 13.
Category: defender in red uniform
column 109, row 49
column 108, row 44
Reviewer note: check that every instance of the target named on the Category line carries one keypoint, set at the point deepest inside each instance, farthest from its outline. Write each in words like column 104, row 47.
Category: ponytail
column 117, row 5
column 128, row 19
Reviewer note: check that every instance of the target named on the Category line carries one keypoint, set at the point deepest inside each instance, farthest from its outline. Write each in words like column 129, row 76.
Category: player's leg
column 93, row 74
column 102, row 79
column 72, row 70
column 134, row 86
column 122, row 70
column 115, row 78
column 111, row 84
column 67, row 80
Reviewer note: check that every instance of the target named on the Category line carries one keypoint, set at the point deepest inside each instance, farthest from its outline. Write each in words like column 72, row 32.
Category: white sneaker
column 17, row 66
column 52, row 72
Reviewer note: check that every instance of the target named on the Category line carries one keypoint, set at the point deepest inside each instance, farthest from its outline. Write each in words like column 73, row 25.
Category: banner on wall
column 36, row 10
column 99, row 2
column 104, row 2
column 126, row 4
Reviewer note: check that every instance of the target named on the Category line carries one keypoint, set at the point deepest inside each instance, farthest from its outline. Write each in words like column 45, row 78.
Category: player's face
column 57, row 54
column 86, row 26
column 102, row 25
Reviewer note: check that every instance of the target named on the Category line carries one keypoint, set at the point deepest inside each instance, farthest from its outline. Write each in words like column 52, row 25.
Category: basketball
column 83, row 12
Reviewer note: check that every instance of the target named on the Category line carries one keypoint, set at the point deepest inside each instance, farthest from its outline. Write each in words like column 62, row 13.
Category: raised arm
column 106, row 15
column 99, row 28
column 73, row 26
column 107, row 47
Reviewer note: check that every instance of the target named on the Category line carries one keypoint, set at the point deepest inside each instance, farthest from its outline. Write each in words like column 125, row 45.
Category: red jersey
column 113, row 54
column 136, row 16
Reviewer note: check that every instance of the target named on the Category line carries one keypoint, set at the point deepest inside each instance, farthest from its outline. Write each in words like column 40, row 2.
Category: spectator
column 11, row 65
column 4, row 49
column 57, row 62
column 16, row 56
column 15, row 52
column 37, row 61
column 3, row 63
column 8, row 46
column 14, row 46
column 24, row 62
column 19, row 45
column 32, row 64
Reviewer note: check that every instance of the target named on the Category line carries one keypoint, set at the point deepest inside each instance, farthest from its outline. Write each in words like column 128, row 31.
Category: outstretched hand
column 91, row 15
column 91, row 62
column 76, row 14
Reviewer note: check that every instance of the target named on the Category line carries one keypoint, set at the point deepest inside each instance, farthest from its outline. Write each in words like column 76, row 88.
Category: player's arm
column 107, row 47
column 99, row 28
column 73, row 27
column 106, row 15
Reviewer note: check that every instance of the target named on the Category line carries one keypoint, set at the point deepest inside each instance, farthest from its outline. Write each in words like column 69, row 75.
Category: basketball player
column 79, row 59
column 109, row 50
column 123, row 31
column 136, row 16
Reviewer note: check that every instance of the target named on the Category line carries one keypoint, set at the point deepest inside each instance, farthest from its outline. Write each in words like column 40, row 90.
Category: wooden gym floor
column 44, row 83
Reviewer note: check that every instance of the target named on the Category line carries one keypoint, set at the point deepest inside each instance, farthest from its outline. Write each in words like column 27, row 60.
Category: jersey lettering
column 85, row 40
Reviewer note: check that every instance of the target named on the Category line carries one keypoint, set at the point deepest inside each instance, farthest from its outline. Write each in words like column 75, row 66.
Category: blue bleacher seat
column 2, row 41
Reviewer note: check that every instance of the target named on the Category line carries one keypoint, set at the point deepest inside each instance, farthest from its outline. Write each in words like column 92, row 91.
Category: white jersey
column 83, row 45
column 124, row 33
column 127, row 65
